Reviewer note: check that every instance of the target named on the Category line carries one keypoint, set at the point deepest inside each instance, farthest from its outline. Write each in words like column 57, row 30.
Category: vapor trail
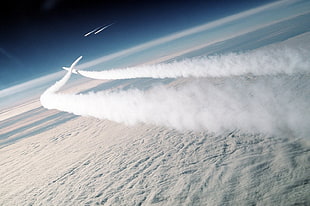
column 276, row 101
column 259, row 62
column 92, row 31
column 98, row 29
column 103, row 28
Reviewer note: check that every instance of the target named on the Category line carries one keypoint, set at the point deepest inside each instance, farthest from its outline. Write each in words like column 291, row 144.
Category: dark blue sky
column 39, row 36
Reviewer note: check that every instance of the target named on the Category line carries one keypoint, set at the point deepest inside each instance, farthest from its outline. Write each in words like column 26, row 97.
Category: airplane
column 71, row 68
column 98, row 29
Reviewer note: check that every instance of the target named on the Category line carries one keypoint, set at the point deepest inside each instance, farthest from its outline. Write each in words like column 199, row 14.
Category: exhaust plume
column 273, row 100
column 258, row 62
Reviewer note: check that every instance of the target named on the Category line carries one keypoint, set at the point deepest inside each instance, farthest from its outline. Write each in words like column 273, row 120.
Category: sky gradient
column 38, row 36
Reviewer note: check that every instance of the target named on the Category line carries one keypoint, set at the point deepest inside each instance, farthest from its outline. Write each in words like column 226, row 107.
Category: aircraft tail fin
column 71, row 68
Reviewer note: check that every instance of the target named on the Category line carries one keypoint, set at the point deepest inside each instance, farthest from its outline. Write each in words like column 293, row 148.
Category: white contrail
column 98, row 29
column 105, row 27
column 92, row 31
column 260, row 62
column 58, row 85
column 272, row 104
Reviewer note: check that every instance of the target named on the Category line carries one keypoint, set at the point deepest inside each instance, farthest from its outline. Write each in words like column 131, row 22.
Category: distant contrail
column 92, row 31
column 98, row 29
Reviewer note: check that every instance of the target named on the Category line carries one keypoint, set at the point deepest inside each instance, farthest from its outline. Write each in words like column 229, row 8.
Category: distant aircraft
column 98, row 29
column 92, row 31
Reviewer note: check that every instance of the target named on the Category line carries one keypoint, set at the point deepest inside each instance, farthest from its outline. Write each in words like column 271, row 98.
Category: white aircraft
column 71, row 68
column 98, row 29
